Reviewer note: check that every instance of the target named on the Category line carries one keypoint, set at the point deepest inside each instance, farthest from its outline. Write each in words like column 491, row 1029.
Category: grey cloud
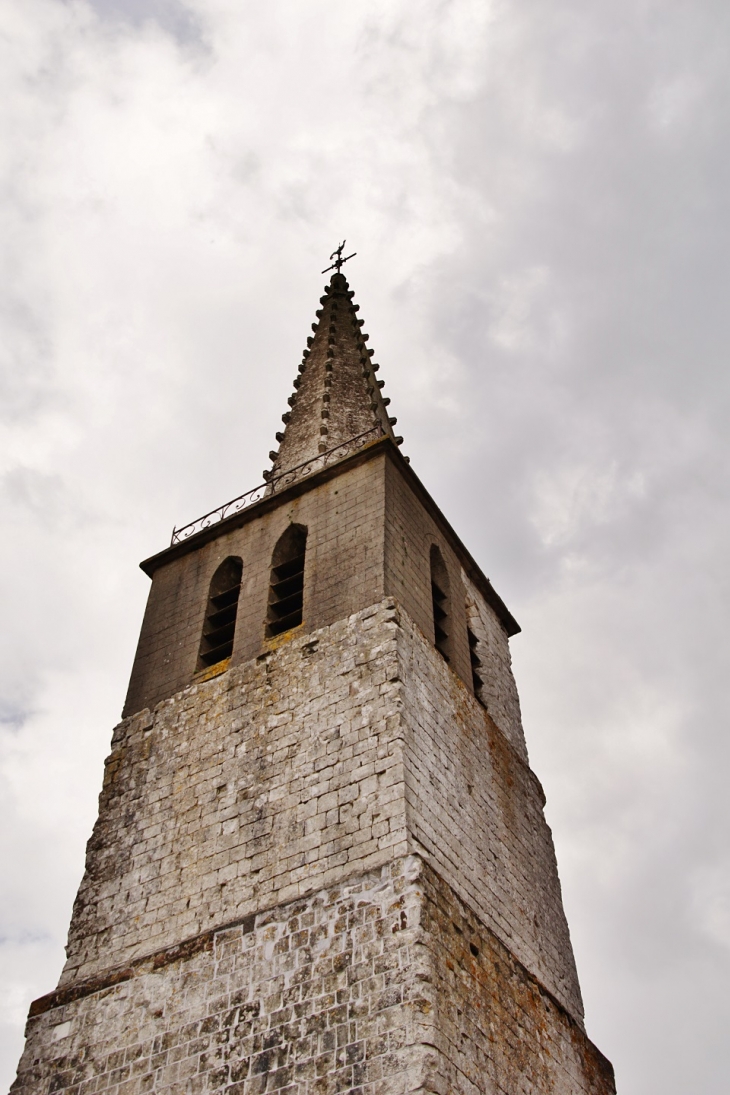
column 174, row 16
column 12, row 715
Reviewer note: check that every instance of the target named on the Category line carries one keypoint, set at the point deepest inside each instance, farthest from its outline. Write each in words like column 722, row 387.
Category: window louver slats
column 286, row 589
column 476, row 678
column 216, row 644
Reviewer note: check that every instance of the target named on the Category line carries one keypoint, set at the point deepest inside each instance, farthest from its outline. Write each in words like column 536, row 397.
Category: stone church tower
column 321, row 863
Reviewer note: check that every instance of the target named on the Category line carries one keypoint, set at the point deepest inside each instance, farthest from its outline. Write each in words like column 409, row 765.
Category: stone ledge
column 158, row 960
column 447, row 979
column 148, row 963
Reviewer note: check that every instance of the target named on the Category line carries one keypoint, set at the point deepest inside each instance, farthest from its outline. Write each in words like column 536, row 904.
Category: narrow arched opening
column 441, row 602
column 216, row 643
column 286, row 586
column 477, row 680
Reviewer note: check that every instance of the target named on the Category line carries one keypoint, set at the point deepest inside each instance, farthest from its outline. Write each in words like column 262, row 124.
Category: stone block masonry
column 385, row 984
column 475, row 810
column 332, row 754
column 343, row 574
column 495, row 1028
column 245, row 791
column 326, row 869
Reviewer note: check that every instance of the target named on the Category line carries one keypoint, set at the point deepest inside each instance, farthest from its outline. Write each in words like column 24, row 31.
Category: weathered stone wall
column 343, row 574
column 495, row 1028
column 383, row 985
column 289, row 772
column 324, row 870
column 244, row 791
column 323, row 995
column 475, row 810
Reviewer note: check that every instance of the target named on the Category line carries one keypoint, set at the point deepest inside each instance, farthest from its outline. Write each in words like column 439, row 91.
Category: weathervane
column 339, row 261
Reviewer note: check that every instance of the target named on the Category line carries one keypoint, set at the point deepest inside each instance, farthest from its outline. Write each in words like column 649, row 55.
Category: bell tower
column 321, row 863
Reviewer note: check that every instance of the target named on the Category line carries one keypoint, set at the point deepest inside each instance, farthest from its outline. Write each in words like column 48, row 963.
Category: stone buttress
column 321, row 862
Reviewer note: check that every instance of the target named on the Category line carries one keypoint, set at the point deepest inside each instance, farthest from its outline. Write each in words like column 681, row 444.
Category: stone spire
column 337, row 396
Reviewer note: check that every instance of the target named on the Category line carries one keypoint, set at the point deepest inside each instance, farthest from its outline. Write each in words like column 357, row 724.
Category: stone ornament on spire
column 337, row 397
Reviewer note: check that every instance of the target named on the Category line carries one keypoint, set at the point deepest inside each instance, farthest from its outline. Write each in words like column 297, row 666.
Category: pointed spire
column 337, row 396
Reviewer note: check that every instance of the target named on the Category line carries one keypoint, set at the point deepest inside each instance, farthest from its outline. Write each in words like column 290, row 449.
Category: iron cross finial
column 339, row 261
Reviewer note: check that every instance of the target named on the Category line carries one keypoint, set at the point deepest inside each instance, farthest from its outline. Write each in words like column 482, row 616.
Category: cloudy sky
column 538, row 194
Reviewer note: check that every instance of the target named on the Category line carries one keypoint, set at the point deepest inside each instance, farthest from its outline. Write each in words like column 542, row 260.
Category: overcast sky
column 538, row 193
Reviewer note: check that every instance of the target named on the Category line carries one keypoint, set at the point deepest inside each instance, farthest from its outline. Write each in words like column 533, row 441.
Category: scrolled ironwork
column 276, row 483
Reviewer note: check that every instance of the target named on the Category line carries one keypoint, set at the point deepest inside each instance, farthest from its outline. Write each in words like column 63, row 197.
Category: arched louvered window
column 441, row 601
column 286, row 589
column 216, row 643
column 477, row 680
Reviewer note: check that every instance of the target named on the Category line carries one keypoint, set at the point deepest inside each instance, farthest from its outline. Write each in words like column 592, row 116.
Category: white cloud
column 571, row 497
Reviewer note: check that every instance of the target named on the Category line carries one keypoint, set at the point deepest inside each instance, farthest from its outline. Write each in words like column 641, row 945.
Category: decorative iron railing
column 275, row 483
